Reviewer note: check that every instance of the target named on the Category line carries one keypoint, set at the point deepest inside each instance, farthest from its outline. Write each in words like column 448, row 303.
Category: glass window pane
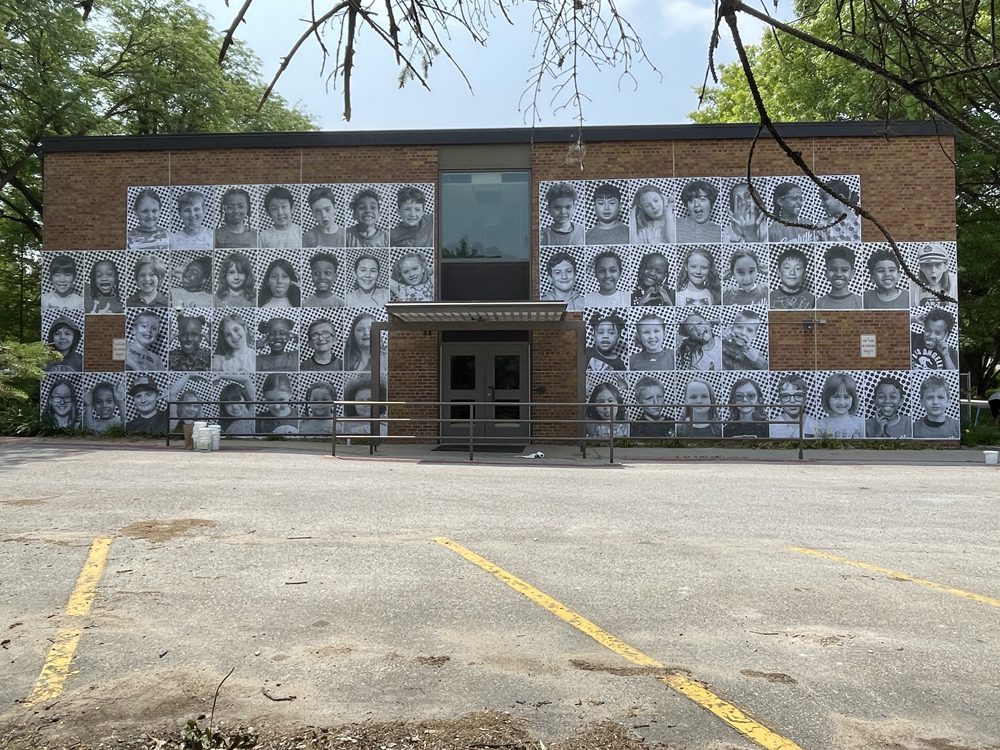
column 507, row 372
column 463, row 372
column 511, row 412
column 485, row 215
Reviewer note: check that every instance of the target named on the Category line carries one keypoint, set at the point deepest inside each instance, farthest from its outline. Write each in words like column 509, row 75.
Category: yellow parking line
column 729, row 713
column 56, row 668
column 982, row 599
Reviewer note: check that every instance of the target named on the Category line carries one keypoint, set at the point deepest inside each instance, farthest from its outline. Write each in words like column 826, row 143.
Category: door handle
column 490, row 390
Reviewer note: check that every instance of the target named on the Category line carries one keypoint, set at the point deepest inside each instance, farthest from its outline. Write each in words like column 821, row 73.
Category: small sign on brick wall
column 869, row 348
column 118, row 350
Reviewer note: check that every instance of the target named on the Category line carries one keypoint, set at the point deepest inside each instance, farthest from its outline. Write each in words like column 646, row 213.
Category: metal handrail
column 375, row 423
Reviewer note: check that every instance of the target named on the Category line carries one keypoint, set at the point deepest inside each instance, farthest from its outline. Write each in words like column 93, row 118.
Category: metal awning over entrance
column 475, row 315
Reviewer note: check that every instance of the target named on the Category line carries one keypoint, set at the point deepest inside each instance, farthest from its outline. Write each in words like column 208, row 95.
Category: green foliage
column 987, row 435
column 21, row 368
column 133, row 67
column 799, row 82
column 196, row 737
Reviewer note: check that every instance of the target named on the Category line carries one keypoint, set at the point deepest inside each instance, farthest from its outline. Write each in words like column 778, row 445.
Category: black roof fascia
column 568, row 134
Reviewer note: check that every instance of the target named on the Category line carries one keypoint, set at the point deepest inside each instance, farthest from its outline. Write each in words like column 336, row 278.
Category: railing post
column 169, row 404
column 802, row 413
column 472, row 419
column 611, row 435
column 333, row 431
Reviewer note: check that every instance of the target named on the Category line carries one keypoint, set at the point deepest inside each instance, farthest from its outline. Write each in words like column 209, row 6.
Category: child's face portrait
column 697, row 394
column 746, row 398
column 652, row 400
column 839, row 273
column 651, row 203
column 321, row 337
column 147, row 210
column 325, row 214
column 742, row 203
column 654, row 272
column 193, row 278
column 697, row 329
column 885, row 274
column 411, row 212
column 189, row 334
column 280, row 211
column 745, row 273
column 62, row 338
column 561, row 211
column 935, row 401
column 563, row 276
column 235, row 278
column 604, row 403
column 933, row 272
column 411, row 271
column 278, row 335
column 278, row 399
column 61, row 400
column 832, row 205
column 363, row 334
column 840, row 402
column 105, row 277
column 607, row 272
column 192, row 214
column 700, row 207
column 186, row 409
column 235, row 210
column 935, row 334
column 363, row 394
column 651, row 336
column 605, row 336
column 791, row 272
column 62, row 281
column 278, row 282
column 145, row 401
column 367, row 274
column 790, row 204
column 791, row 397
column 366, row 212
column 233, row 334
column 236, row 409
column 744, row 330
column 607, row 207
column 147, row 330
column 104, row 403
column 317, row 405
column 888, row 399
column 324, row 274
column 146, row 278
column 697, row 269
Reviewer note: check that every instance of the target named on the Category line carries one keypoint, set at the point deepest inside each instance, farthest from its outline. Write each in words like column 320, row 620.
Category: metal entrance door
column 494, row 372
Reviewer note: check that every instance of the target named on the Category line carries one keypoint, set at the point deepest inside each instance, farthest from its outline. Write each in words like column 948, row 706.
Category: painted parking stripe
column 729, row 713
column 56, row 668
column 898, row 576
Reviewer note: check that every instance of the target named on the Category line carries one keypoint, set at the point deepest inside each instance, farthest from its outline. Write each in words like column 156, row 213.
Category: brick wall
column 102, row 330
column 907, row 182
column 800, row 341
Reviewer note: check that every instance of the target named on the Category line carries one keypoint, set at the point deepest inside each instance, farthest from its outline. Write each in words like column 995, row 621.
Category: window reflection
column 485, row 215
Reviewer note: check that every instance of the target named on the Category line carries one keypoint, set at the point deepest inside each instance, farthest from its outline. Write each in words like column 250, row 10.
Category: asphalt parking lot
column 849, row 603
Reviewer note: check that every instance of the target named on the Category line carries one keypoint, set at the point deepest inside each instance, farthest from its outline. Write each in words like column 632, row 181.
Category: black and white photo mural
column 232, row 294
column 676, row 279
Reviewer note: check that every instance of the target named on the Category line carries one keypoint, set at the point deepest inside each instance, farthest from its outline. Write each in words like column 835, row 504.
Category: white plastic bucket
column 991, row 457
column 215, row 431
column 199, row 425
column 203, row 439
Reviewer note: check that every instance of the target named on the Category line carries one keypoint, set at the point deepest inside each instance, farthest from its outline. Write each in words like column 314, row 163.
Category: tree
column 137, row 67
column 800, row 84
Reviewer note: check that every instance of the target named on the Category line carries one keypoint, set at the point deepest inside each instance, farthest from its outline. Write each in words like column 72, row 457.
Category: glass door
column 494, row 374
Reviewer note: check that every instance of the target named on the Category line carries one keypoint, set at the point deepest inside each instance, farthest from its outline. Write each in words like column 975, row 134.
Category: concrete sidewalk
column 563, row 454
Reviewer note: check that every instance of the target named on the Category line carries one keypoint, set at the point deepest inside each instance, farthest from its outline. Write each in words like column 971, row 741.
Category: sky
column 675, row 35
